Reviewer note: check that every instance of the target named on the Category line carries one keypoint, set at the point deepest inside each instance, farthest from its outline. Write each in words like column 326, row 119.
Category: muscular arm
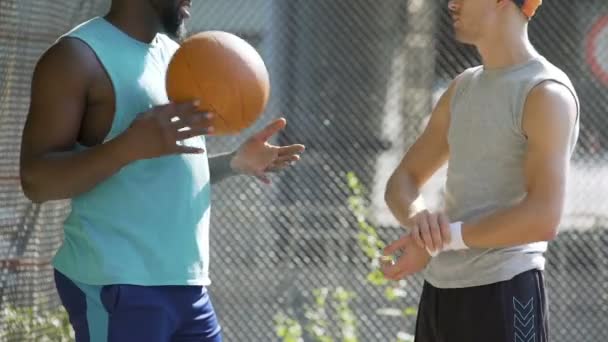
column 549, row 119
column 423, row 159
column 49, row 169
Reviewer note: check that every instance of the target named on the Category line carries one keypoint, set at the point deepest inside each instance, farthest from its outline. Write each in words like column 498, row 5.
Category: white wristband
column 456, row 243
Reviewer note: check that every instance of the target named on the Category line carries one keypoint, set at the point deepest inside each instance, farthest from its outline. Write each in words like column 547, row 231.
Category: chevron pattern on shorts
column 524, row 321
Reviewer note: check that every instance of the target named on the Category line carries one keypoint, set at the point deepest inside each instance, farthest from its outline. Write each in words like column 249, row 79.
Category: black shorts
column 510, row 311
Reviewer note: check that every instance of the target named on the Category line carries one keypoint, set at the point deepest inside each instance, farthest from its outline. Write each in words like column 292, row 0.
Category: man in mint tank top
column 100, row 131
column 506, row 129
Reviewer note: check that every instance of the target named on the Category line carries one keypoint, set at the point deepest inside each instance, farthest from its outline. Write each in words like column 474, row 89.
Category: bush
column 29, row 324
column 332, row 303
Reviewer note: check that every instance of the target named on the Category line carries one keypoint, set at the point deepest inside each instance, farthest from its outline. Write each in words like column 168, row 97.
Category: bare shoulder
column 550, row 105
column 69, row 59
column 552, row 93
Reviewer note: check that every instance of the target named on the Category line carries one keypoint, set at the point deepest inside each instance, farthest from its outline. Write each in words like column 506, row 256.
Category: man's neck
column 506, row 49
column 136, row 19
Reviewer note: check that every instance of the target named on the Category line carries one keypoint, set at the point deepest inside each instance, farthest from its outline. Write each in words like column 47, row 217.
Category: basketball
column 226, row 74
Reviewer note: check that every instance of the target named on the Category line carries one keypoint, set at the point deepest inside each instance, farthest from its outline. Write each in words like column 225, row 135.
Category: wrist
column 122, row 150
column 456, row 240
column 233, row 162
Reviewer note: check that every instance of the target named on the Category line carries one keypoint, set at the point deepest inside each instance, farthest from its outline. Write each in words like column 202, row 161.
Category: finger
column 263, row 178
column 386, row 260
column 390, row 272
column 417, row 234
column 287, row 163
column 191, row 133
column 286, row 159
column 435, row 230
column 275, row 167
column 425, row 233
column 271, row 129
column 446, row 235
column 173, row 109
column 279, row 167
column 408, row 271
column 189, row 149
column 291, row 149
column 198, row 119
column 395, row 246
column 401, row 268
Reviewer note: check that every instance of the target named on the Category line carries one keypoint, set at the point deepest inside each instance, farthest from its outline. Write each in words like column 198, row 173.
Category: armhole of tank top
column 99, row 60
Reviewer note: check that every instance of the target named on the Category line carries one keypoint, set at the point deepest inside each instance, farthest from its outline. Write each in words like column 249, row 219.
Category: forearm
column 64, row 175
column 521, row 224
column 220, row 167
column 403, row 199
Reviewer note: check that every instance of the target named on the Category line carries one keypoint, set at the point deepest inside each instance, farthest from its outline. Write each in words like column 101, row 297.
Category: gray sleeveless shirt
column 486, row 168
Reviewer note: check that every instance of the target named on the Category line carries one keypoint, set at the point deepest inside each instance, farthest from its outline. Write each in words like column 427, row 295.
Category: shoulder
column 462, row 80
column 550, row 104
column 467, row 75
column 458, row 84
column 550, row 94
column 64, row 73
column 67, row 59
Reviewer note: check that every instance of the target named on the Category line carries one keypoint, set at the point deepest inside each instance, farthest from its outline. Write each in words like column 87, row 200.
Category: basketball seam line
column 223, row 119
column 198, row 86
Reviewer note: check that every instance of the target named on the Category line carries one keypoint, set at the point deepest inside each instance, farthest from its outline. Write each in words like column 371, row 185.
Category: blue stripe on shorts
column 117, row 313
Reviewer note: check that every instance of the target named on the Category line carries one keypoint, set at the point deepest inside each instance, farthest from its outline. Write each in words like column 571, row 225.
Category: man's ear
column 502, row 3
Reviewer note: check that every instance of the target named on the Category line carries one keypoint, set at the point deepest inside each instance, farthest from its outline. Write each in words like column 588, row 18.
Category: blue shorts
column 117, row 313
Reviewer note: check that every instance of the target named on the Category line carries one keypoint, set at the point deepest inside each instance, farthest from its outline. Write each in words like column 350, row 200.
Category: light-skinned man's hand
column 431, row 230
column 413, row 258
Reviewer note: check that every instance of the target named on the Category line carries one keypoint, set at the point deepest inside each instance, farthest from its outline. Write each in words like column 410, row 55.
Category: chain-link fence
column 356, row 80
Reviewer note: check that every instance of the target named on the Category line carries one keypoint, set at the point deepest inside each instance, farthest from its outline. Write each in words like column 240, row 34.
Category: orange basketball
column 226, row 74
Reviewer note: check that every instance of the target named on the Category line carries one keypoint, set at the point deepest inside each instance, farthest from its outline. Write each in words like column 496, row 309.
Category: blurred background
column 356, row 81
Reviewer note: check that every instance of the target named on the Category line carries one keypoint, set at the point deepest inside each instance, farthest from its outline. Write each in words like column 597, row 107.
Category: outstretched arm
column 255, row 156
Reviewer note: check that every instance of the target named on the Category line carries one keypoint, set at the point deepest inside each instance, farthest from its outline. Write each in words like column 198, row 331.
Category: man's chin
column 179, row 33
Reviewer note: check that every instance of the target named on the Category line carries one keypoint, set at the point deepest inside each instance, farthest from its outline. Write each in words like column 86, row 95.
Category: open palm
column 257, row 157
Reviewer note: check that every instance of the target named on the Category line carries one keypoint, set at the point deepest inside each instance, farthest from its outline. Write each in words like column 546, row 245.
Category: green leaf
column 376, row 277
column 410, row 311
column 390, row 294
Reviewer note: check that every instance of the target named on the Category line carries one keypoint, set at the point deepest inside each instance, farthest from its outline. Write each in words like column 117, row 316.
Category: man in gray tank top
column 506, row 130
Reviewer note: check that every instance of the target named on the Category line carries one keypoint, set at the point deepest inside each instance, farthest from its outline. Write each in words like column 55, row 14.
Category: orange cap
column 530, row 6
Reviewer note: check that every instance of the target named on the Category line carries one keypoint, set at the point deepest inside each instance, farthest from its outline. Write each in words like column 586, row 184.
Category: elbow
column 34, row 198
column 548, row 225
column 401, row 189
column 542, row 217
column 387, row 195
column 30, row 188
column 389, row 192
column 549, row 233
column 31, row 194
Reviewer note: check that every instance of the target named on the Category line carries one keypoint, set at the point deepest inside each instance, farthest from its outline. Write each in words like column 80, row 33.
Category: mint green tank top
column 148, row 224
